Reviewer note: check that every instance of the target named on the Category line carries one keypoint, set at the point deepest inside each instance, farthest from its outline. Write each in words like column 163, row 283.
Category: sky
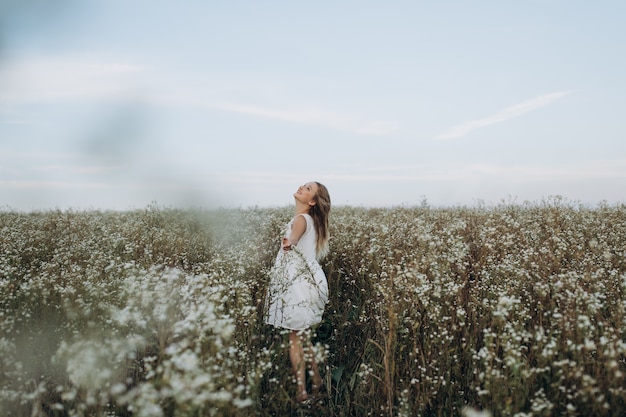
column 122, row 104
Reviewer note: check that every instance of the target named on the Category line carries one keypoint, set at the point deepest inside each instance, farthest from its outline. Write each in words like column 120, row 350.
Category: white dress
column 298, row 290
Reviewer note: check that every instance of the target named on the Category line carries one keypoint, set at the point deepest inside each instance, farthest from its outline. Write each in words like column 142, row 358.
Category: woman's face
column 306, row 193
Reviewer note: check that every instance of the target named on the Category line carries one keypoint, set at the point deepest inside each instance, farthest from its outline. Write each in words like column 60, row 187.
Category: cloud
column 52, row 185
column 609, row 169
column 46, row 79
column 77, row 170
column 82, row 77
column 11, row 121
column 312, row 117
column 436, row 173
column 502, row 116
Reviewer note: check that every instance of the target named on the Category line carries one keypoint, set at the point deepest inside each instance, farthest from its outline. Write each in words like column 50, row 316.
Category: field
column 515, row 310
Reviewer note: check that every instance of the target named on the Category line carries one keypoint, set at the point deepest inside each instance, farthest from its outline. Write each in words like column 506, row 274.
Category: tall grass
column 514, row 309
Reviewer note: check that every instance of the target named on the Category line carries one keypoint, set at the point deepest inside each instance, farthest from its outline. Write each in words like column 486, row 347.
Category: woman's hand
column 286, row 244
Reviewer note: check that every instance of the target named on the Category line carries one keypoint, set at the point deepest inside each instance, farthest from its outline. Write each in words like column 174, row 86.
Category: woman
column 298, row 290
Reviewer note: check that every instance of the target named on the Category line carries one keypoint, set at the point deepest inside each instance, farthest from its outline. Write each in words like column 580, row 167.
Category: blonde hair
column 320, row 212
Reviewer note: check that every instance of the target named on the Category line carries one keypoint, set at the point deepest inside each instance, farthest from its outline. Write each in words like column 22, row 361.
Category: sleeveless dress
column 298, row 290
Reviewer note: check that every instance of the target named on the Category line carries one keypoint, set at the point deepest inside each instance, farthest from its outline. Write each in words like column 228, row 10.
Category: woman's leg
column 296, row 354
column 315, row 373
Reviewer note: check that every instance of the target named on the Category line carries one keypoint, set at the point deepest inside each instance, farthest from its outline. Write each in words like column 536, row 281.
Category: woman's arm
column 298, row 227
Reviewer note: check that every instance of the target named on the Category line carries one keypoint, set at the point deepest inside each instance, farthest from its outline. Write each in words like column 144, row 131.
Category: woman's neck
column 302, row 208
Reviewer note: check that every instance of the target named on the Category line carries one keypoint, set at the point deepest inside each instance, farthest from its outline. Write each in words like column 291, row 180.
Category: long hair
column 320, row 212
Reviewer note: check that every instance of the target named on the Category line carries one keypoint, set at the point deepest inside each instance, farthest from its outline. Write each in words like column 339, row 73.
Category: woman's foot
column 302, row 397
column 317, row 389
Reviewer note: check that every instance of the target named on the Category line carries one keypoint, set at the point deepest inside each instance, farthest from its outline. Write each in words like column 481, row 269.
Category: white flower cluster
column 513, row 310
column 91, row 309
